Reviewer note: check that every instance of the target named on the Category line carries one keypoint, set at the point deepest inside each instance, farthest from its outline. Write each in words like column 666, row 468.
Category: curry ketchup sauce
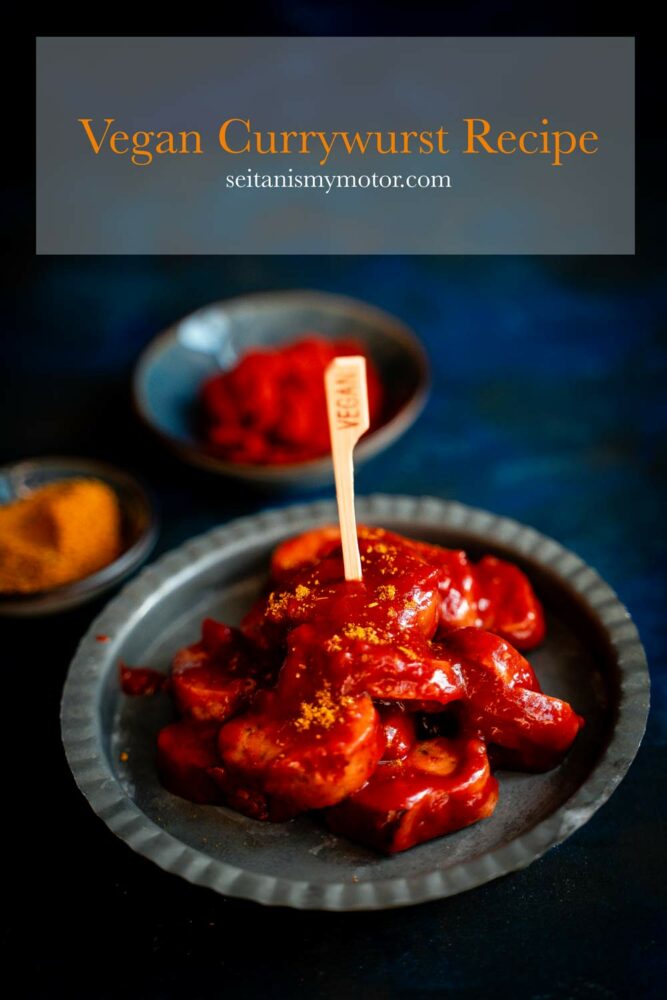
column 270, row 408
column 381, row 705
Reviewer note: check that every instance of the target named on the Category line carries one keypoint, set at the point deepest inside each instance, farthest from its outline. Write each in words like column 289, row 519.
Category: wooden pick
column 347, row 406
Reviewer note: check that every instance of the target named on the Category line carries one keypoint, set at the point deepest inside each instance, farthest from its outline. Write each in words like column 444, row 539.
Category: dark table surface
column 549, row 406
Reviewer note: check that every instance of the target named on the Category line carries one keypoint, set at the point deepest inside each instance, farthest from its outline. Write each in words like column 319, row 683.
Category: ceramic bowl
column 174, row 365
column 139, row 528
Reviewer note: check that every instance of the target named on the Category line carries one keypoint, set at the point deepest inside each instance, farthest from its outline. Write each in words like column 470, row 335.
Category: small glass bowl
column 139, row 529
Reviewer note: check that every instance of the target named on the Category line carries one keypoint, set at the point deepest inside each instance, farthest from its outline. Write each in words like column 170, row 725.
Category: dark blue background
column 548, row 405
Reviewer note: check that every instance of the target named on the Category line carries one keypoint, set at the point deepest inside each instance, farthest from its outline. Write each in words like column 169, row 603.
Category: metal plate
column 592, row 657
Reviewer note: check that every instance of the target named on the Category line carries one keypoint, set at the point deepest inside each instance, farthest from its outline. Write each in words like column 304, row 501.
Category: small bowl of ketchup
column 238, row 386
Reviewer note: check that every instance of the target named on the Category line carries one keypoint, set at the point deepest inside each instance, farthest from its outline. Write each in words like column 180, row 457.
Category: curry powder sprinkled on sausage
column 366, row 633
column 277, row 603
column 322, row 711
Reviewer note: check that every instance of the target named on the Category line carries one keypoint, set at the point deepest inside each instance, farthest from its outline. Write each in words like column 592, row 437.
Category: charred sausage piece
column 398, row 595
column 504, row 702
column 534, row 730
column 412, row 670
column 185, row 753
column 218, row 676
column 441, row 786
column 496, row 656
column 508, row 604
column 492, row 594
column 306, row 761
column 458, row 586
column 303, row 550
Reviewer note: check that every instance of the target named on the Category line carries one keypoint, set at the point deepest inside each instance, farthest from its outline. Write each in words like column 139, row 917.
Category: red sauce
column 141, row 680
column 270, row 409
column 319, row 700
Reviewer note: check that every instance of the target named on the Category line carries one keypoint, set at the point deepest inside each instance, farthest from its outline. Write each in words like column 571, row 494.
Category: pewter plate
column 592, row 657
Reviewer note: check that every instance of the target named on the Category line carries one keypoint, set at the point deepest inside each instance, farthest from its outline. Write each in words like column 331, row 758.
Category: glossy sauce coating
column 185, row 754
column 217, row 676
column 380, row 702
column 491, row 594
column 442, row 785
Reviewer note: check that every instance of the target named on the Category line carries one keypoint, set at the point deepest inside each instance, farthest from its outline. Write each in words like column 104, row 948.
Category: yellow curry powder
column 324, row 711
column 57, row 534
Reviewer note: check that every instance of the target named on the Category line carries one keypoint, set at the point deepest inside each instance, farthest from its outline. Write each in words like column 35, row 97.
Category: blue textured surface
column 549, row 405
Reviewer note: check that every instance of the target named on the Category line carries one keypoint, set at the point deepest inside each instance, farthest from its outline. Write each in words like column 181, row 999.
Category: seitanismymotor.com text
column 253, row 180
